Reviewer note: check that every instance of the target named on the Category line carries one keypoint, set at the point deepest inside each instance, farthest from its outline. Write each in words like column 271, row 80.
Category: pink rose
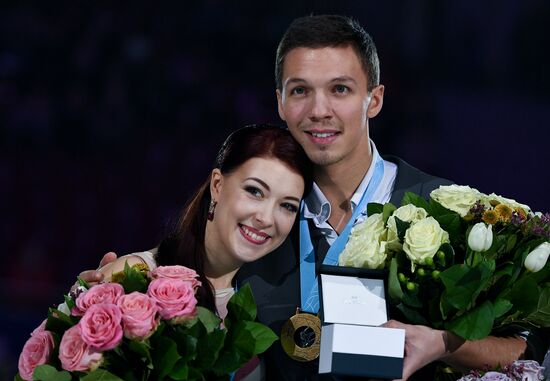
column 176, row 272
column 75, row 354
column 40, row 328
column 36, row 351
column 175, row 297
column 101, row 326
column 139, row 315
column 102, row 293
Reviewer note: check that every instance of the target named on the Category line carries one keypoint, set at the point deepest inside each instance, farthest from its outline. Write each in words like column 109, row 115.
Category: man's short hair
column 329, row 31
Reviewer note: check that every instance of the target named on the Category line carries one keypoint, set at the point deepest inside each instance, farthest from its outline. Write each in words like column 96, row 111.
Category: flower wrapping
column 146, row 326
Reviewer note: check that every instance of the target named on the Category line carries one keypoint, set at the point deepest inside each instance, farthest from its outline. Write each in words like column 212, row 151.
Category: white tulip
column 536, row 259
column 481, row 237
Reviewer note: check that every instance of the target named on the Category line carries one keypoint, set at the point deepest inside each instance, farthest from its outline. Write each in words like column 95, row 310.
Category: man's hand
column 93, row 277
column 423, row 345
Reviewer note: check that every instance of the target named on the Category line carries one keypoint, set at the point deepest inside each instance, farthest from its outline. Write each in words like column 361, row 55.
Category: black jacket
column 275, row 278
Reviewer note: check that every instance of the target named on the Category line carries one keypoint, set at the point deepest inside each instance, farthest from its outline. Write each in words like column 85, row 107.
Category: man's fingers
column 108, row 258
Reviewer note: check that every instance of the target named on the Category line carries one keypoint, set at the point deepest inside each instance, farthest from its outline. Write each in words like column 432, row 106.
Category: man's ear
column 376, row 101
column 216, row 184
column 280, row 104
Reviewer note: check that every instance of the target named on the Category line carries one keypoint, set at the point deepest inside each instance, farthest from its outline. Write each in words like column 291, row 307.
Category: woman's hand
column 93, row 277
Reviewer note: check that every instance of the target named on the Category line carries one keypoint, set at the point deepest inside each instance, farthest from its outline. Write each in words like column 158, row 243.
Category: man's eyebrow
column 343, row 79
column 295, row 80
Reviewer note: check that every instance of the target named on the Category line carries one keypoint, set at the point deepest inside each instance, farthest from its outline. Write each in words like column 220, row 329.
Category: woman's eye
column 341, row 89
column 290, row 207
column 254, row 191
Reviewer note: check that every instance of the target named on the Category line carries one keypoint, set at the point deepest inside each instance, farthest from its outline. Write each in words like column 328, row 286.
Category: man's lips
column 322, row 136
column 253, row 235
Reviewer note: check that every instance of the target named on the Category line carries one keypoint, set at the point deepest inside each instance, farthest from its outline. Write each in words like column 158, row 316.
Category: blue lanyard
column 308, row 279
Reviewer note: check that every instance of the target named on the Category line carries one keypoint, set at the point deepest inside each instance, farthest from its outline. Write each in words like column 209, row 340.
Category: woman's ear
column 216, row 184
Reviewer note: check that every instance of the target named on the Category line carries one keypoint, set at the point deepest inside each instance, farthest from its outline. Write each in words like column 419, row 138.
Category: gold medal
column 301, row 336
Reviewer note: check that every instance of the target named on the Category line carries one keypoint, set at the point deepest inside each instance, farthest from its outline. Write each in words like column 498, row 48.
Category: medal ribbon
column 309, row 285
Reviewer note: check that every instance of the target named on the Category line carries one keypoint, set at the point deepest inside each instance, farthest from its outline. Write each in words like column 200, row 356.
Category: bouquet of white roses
column 143, row 326
column 462, row 261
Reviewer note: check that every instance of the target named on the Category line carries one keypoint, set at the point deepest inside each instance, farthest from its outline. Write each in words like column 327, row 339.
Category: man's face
column 326, row 105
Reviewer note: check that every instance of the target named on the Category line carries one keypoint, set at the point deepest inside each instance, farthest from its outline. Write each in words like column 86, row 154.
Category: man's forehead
column 304, row 64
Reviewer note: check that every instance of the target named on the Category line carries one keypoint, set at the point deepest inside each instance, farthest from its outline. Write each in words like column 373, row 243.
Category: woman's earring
column 211, row 210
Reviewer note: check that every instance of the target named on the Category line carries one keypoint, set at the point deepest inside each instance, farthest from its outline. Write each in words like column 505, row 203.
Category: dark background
column 111, row 113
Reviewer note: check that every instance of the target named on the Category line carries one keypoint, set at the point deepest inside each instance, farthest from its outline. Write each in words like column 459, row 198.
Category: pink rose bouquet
column 146, row 326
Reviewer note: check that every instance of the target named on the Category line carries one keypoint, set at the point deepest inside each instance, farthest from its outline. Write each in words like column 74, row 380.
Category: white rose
column 407, row 213
column 506, row 201
column 373, row 226
column 458, row 198
column 364, row 253
column 423, row 239
column 366, row 245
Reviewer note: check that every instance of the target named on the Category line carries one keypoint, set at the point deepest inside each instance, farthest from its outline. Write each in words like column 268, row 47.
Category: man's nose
column 321, row 107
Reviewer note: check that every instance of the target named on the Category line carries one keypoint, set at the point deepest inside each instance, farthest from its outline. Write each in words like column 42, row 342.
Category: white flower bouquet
column 462, row 261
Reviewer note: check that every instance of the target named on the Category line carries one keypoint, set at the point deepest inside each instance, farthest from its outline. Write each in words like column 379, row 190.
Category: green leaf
column 501, row 306
column 475, row 324
column 187, row 344
column 416, row 200
column 100, row 375
column 251, row 338
column 374, row 208
column 241, row 307
column 394, row 287
column 142, row 349
column 133, row 280
column 17, row 377
column 229, row 361
column 58, row 322
column 512, row 240
column 180, row 370
column 402, row 227
column 387, row 211
column 464, row 283
column 452, row 224
column 209, row 319
column 49, row 373
column 165, row 356
column 82, row 282
column 209, row 347
column 541, row 316
column 524, row 295
column 412, row 315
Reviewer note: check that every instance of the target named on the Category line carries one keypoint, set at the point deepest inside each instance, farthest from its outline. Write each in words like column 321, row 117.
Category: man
column 327, row 76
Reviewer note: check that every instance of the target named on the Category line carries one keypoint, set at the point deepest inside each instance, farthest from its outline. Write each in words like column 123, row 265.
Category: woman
column 244, row 210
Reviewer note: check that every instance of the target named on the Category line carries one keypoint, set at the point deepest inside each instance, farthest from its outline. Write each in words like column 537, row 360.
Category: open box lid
column 352, row 296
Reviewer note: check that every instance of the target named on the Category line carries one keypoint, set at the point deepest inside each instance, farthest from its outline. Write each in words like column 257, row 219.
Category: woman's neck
column 219, row 268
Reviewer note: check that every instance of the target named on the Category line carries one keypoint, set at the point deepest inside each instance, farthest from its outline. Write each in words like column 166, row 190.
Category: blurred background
column 111, row 114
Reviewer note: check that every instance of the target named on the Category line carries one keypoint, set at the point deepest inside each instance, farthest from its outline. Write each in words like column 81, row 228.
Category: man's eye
column 290, row 207
column 341, row 89
column 298, row 91
column 254, row 191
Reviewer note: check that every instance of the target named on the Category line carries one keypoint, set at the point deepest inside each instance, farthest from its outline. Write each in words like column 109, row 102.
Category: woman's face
column 256, row 208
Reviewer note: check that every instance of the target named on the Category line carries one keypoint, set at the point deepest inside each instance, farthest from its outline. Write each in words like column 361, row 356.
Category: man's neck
column 338, row 184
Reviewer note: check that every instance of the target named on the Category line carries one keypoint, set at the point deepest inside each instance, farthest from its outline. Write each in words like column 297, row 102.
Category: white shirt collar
column 316, row 205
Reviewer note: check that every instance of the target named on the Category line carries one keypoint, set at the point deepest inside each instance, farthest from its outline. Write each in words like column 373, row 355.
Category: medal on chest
column 301, row 336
